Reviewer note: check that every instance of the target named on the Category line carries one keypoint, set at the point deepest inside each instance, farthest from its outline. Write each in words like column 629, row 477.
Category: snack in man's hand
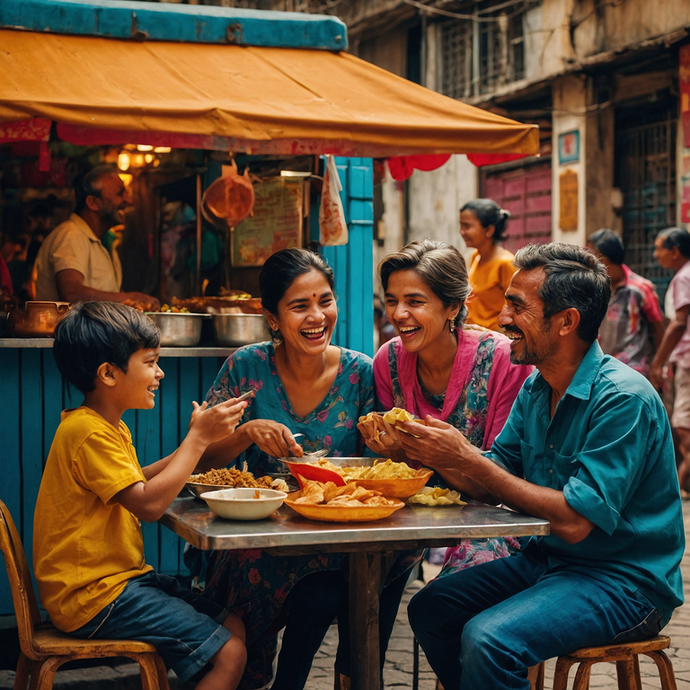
column 397, row 415
column 350, row 495
column 435, row 496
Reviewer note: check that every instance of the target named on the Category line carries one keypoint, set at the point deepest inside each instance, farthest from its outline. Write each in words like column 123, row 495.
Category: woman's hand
column 218, row 422
column 378, row 440
column 273, row 438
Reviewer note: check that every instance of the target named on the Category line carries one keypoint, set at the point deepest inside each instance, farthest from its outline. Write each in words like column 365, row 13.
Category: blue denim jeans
column 484, row 626
column 184, row 627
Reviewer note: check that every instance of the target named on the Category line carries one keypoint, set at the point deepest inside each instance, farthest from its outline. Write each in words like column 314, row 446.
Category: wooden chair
column 626, row 657
column 44, row 648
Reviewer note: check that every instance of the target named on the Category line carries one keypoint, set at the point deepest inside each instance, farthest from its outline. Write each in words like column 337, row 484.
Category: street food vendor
column 73, row 265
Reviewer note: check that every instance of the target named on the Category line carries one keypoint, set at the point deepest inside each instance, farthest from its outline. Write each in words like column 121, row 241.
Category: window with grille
column 499, row 33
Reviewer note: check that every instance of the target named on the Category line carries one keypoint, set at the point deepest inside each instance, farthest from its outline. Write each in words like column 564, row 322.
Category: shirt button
column 551, row 446
column 550, row 471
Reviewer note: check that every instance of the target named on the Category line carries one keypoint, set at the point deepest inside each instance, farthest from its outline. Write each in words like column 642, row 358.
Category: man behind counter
column 73, row 265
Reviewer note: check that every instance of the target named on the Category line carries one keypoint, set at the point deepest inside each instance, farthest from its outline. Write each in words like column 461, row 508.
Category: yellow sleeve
column 106, row 463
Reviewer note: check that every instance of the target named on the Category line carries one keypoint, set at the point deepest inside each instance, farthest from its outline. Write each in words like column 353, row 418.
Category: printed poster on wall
column 276, row 223
column 568, row 200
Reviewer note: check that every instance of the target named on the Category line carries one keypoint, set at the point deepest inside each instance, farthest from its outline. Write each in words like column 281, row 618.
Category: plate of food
column 392, row 479
column 214, row 480
column 350, row 503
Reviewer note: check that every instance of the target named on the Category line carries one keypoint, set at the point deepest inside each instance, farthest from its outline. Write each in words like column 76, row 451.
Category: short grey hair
column 574, row 278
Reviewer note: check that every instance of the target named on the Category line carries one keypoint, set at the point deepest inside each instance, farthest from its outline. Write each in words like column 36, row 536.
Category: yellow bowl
column 397, row 488
column 326, row 513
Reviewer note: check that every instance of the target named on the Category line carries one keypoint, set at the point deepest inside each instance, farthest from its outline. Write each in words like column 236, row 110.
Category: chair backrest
column 19, row 575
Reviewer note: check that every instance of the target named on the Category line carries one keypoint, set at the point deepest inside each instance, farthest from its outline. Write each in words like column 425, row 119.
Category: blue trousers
column 484, row 626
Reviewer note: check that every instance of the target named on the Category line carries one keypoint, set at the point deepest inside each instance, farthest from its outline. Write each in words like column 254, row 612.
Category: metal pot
column 36, row 320
column 178, row 330
column 235, row 330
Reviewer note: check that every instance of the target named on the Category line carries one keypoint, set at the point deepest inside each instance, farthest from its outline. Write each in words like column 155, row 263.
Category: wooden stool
column 627, row 661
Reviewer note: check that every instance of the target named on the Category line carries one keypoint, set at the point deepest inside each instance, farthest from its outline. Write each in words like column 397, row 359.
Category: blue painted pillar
column 353, row 263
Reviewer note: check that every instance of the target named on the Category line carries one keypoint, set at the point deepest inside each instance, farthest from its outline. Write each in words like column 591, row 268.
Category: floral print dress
column 481, row 391
column 252, row 583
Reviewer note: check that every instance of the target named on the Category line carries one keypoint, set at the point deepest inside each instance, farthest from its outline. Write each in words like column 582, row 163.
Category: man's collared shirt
column 625, row 330
column 73, row 245
column 608, row 448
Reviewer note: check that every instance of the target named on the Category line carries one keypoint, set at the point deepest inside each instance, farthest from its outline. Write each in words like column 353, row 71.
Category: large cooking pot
column 36, row 320
column 235, row 330
column 178, row 330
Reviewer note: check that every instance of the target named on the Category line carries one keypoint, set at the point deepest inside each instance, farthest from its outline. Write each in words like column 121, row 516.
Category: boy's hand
column 217, row 422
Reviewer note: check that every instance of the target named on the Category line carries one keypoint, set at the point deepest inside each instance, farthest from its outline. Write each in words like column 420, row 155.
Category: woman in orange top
column 482, row 226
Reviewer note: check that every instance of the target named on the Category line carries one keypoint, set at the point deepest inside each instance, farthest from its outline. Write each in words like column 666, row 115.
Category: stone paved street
column 398, row 672
column 399, row 662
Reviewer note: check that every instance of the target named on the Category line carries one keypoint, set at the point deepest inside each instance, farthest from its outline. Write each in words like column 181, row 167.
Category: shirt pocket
column 563, row 467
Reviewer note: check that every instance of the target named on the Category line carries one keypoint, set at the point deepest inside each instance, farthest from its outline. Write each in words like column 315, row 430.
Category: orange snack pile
column 350, row 495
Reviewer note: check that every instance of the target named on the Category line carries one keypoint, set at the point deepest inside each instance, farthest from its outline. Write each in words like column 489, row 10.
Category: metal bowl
column 235, row 330
column 37, row 319
column 178, row 330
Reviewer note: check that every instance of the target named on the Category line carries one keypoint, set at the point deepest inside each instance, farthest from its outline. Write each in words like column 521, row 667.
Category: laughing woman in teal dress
column 303, row 385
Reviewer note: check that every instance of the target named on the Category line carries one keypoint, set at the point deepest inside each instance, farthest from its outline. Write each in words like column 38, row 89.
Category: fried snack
column 435, row 496
column 397, row 414
column 350, row 495
column 232, row 477
column 379, row 470
column 367, row 418
column 257, row 494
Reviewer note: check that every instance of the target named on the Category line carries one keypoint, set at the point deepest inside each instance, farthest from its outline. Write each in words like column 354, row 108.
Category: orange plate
column 326, row 513
column 397, row 488
column 304, row 470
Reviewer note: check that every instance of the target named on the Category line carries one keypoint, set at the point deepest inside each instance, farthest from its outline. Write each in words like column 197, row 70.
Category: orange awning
column 243, row 98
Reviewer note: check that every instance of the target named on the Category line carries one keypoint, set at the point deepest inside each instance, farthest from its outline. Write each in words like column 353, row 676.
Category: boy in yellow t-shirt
column 88, row 548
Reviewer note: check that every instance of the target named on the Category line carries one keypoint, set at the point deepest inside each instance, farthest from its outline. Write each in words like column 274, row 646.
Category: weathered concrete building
column 602, row 78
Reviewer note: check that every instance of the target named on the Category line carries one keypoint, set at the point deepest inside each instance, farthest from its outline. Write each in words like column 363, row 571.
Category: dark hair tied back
column 488, row 213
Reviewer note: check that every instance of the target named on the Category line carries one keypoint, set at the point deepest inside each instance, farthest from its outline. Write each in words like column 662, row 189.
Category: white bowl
column 240, row 504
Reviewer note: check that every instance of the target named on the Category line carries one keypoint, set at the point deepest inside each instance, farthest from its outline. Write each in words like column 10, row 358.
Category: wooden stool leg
column 21, row 677
column 148, row 670
column 46, row 674
column 665, row 667
column 162, row 673
column 584, row 671
column 560, row 676
column 535, row 676
column 627, row 676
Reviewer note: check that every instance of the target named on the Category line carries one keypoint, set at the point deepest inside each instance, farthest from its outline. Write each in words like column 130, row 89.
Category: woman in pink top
column 437, row 367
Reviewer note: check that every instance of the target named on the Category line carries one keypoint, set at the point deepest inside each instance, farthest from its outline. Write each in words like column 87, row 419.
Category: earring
column 451, row 325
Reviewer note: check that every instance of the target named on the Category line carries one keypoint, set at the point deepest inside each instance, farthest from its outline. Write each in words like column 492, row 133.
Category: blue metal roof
column 170, row 22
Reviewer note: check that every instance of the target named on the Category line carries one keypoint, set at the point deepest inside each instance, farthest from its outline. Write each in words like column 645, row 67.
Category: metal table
column 412, row 527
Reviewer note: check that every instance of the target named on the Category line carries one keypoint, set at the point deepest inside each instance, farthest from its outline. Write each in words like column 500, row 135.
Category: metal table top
column 409, row 527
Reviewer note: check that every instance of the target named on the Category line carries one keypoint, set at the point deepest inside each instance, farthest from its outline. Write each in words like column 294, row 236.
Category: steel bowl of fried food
column 391, row 479
column 215, row 480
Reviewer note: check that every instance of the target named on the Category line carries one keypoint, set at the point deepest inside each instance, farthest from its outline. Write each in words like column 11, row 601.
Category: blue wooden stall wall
column 33, row 396
column 352, row 263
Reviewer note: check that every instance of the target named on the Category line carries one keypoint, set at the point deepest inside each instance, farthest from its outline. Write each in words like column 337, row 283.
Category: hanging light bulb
column 162, row 149
column 148, row 157
column 144, row 147
column 123, row 161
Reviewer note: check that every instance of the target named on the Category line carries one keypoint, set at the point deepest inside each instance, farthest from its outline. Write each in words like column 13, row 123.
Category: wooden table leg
column 365, row 584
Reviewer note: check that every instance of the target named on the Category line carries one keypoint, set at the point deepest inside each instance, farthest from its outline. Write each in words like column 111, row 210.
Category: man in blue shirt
column 587, row 446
